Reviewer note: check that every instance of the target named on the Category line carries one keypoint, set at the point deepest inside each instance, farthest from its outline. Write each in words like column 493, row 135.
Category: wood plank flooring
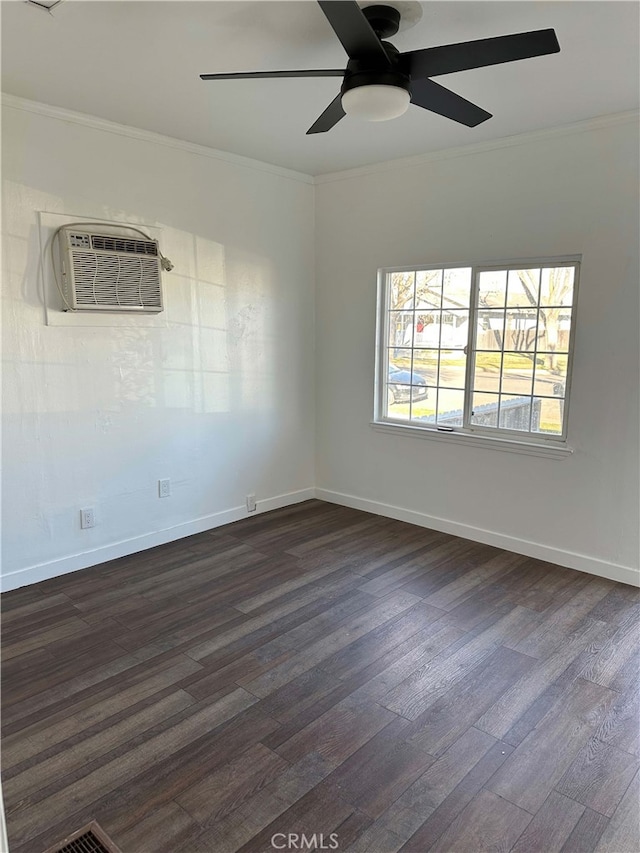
column 319, row 670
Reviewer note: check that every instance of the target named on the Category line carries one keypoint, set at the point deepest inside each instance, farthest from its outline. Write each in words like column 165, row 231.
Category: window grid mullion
column 471, row 346
column 413, row 341
column 535, row 351
column 501, row 374
column 439, row 349
column 383, row 361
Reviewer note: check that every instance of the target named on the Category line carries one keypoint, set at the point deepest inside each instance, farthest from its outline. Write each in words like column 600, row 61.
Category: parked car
column 404, row 385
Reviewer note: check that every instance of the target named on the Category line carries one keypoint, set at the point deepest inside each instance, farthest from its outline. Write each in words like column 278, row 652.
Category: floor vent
column 89, row 839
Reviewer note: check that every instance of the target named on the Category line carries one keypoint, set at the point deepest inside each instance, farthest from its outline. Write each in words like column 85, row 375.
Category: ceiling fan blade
column 354, row 31
column 448, row 58
column 431, row 96
column 248, row 75
column 330, row 117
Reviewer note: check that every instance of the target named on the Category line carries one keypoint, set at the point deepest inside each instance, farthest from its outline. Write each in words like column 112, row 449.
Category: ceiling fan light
column 375, row 102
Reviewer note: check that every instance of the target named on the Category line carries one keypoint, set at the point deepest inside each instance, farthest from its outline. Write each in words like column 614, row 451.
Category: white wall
column 548, row 195
column 217, row 395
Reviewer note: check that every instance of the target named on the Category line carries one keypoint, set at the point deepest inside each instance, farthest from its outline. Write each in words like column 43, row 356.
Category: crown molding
column 86, row 120
column 629, row 117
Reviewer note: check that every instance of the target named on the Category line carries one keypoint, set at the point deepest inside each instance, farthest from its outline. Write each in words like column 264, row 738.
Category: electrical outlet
column 164, row 488
column 251, row 503
column 87, row 518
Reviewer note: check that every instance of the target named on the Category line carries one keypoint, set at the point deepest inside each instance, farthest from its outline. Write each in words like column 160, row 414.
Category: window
column 481, row 350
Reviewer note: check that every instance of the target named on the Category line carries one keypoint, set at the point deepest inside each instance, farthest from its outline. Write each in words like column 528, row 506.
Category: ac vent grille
column 110, row 272
column 120, row 244
column 116, row 280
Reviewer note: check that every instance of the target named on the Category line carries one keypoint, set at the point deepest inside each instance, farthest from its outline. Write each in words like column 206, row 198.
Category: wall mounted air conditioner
column 109, row 272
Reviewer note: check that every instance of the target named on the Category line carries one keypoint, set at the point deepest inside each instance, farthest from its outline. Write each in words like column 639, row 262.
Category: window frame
column 496, row 437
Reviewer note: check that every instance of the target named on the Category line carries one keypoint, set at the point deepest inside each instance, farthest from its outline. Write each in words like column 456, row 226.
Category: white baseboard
column 569, row 559
column 75, row 562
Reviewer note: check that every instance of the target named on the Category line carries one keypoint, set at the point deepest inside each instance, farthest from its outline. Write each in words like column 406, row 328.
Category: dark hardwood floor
column 321, row 670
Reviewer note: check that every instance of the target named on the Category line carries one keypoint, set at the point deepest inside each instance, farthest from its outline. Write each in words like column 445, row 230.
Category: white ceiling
column 137, row 63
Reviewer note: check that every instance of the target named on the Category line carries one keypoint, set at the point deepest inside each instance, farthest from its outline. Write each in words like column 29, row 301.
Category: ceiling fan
column 379, row 82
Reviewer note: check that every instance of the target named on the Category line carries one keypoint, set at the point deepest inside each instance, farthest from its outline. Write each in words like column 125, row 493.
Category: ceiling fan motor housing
column 362, row 72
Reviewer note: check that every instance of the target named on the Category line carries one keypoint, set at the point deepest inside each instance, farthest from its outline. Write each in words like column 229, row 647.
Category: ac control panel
column 80, row 241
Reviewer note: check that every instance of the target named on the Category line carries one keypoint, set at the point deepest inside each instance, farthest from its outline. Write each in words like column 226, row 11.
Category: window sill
column 549, row 451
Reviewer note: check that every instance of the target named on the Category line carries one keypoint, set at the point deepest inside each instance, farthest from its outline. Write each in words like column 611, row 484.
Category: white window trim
column 553, row 447
column 557, row 451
